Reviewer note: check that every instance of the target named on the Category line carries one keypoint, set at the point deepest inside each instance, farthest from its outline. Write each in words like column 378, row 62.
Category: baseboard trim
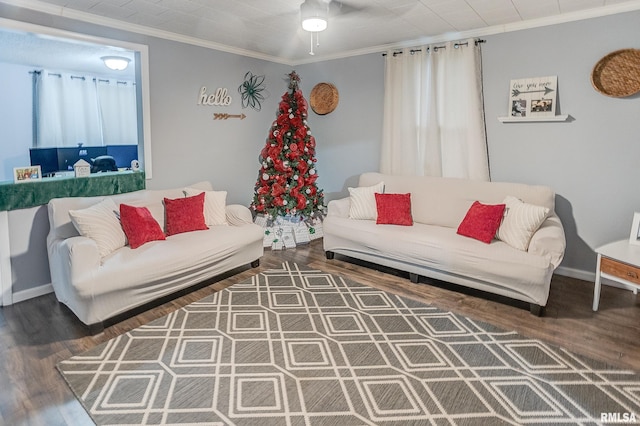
column 589, row 276
column 30, row 293
column 576, row 273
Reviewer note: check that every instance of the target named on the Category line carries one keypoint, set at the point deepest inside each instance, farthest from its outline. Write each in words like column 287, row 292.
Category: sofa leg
column 96, row 328
column 535, row 309
column 414, row 277
column 255, row 263
column 329, row 254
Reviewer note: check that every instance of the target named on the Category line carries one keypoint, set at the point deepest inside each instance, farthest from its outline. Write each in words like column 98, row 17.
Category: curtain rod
column 99, row 80
column 436, row 48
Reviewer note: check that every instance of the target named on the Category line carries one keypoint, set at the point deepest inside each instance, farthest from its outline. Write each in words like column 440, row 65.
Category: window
column 72, row 48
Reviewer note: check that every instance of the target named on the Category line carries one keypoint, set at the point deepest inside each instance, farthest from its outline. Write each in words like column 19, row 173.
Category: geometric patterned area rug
column 295, row 346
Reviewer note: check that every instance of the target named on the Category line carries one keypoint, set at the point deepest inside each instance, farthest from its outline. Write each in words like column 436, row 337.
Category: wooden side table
column 620, row 263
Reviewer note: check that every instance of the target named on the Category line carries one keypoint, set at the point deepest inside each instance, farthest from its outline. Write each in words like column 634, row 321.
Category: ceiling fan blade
column 338, row 8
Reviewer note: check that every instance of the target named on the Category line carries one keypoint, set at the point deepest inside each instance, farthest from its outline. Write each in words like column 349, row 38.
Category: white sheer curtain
column 117, row 103
column 73, row 109
column 433, row 113
column 66, row 110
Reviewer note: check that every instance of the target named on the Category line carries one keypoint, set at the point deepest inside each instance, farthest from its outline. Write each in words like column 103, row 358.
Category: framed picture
column 634, row 237
column 533, row 97
column 26, row 174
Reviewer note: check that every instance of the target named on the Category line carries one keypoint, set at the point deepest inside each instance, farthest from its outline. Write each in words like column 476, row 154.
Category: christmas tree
column 286, row 184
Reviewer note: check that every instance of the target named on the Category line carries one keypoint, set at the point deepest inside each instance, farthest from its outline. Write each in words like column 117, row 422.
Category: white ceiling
column 270, row 29
column 60, row 54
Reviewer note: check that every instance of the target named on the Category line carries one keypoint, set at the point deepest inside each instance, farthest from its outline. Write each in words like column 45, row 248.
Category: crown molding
column 482, row 32
column 167, row 35
column 66, row 12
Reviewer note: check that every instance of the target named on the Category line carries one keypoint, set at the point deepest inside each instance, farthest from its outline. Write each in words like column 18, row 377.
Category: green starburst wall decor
column 251, row 91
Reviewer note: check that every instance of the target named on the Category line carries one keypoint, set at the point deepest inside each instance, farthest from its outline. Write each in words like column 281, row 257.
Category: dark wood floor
column 36, row 334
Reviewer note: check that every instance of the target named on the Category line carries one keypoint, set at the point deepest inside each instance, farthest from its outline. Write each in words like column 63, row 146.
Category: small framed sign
column 26, row 174
column 533, row 97
column 634, row 237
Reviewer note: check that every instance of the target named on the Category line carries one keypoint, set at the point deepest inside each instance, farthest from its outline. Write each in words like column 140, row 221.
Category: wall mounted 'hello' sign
column 219, row 98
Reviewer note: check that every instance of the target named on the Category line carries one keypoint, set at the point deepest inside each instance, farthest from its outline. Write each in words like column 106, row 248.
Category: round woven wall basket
column 618, row 73
column 324, row 98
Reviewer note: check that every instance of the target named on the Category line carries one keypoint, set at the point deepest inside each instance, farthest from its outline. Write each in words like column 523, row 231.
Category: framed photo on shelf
column 533, row 97
column 26, row 174
column 634, row 237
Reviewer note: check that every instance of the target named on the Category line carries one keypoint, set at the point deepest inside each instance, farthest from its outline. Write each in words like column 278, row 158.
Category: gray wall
column 349, row 138
column 589, row 161
column 187, row 144
column 28, row 229
column 592, row 160
column 15, row 117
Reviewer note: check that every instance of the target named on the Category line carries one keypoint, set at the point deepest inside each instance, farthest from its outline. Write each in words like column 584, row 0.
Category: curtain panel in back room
column 75, row 109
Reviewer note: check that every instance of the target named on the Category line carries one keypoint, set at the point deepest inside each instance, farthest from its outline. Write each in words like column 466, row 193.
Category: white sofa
column 432, row 247
column 98, row 288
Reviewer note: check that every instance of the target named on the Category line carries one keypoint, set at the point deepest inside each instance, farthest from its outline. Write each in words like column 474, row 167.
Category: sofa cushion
column 100, row 223
column 363, row 201
column 139, row 225
column 521, row 221
column 214, row 205
column 438, row 248
column 185, row 214
column 394, row 209
column 482, row 221
column 164, row 264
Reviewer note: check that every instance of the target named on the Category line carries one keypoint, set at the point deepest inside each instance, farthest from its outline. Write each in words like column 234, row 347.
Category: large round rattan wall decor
column 618, row 73
column 324, row 98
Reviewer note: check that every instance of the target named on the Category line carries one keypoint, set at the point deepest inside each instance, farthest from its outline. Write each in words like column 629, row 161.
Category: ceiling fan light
column 116, row 63
column 314, row 24
column 314, row 16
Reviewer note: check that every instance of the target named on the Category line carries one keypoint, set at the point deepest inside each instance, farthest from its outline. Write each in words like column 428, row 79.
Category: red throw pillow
column 185, row 214
column 139, row 226
column 394, row 209
column 482, row 221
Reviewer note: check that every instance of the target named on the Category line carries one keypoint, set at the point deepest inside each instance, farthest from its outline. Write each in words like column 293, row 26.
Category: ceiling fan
column 314, row 15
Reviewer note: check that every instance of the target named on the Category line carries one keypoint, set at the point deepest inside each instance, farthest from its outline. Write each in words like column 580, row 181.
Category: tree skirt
column 285, row 232
column 299, row 346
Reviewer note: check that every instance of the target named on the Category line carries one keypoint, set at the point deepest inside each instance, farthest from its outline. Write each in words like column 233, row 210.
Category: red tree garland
column 286, row 183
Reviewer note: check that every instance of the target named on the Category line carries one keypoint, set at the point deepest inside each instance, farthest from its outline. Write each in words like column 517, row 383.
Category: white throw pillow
column 363, row 201
column 100, row 223
column 520, row 222
column 215, row 203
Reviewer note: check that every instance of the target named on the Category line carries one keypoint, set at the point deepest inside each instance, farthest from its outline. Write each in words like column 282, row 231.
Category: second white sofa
column 98, row 288
column 431, row 247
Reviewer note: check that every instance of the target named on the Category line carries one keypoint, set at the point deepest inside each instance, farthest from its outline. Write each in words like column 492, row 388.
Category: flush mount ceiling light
column 116, row 63
column 314, row 14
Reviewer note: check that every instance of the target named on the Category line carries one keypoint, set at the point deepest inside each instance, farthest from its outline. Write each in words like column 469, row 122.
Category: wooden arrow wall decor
column 225, row 116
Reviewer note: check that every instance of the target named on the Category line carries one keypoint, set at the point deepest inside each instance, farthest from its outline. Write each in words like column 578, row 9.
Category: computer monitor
column 67, row 157
column 46, row 158
column 123, row 154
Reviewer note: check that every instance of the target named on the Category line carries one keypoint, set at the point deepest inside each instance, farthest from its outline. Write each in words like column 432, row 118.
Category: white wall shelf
column 509, row 119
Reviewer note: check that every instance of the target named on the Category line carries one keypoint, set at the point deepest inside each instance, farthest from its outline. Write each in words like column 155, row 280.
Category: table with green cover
column 24, row 195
